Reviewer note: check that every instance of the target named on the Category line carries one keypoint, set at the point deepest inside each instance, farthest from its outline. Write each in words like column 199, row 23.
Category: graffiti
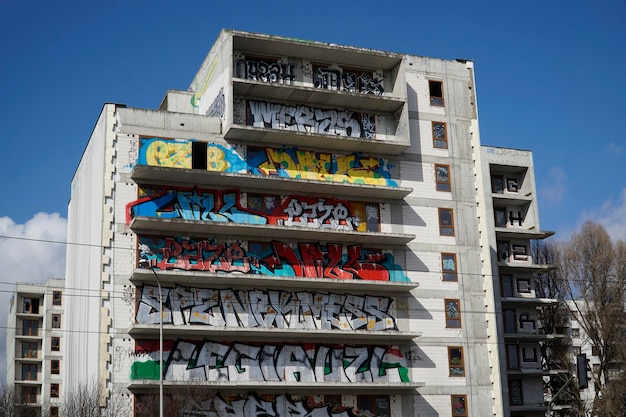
column 249, row 208
column 266, row 308
column 294, row 163
column 199, row 92
column 354, row 168
column 263, row 405
column 353, row 82
column 506, row 151
column 302, row 118
column 132, row 156
column 295, row 363
column 275, row 258
column 268, row 72
column 217, row 108
column 129, row 295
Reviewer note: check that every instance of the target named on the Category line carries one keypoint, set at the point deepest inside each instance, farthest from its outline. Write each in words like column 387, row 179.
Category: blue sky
column 550, row 78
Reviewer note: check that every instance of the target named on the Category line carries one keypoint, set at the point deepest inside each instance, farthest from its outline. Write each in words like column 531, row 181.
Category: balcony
column 281, row 387
column 262, row 334
column 149, row 225
column 198, row 278
column 177, row 176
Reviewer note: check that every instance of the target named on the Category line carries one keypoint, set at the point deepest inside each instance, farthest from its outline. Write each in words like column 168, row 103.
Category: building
column 34, row 339
column 322, row 222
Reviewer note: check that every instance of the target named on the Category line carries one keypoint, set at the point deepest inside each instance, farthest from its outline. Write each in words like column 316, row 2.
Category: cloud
column 611, row 214
column 28, row 254
column 553, row 190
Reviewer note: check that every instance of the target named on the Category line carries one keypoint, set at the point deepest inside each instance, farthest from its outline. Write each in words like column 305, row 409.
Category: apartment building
column 327, row 234
column 35, row 334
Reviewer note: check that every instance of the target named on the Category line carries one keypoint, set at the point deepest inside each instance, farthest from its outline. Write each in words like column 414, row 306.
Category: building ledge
column 299, row 94
column 151, row 225
column 518, row 267
column 515, row 233
column 524, row 337
column 144, row 174
column 268, row 136
column 528, row 301
column 263, row 334
column 269, row 387
column 253, row 281
column 537, row 372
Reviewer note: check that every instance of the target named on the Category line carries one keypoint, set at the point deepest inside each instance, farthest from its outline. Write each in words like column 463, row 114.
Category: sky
column 549, row 74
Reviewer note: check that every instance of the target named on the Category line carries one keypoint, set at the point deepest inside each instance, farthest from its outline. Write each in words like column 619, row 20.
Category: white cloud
column 28, row 254
column 554, row 187
column 611, row 214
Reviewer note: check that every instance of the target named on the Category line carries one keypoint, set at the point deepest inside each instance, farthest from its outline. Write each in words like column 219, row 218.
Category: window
column 576, row 350
column 29, row 349
column 446, row 222
column 31, row 305
column 503, row 251
column 56, row 321
column 29, row 395
column 529, row 354
column 54, row 411
column 519, row 253
column 459, row 405
column 440, row 135
column 516, row 217
column 55, row 366
column 442, row 177
column 55, row 343
column 56, row 298
column 497, row 184
column 29, row 372
column 594, row 350
column 30, row 327
column 506, row 285
column 453, row 313
column 512, row 356
column 54, row 390
column 455, row 361
column 596, row 368
column 436, row 93
column 377, row 405
column 500, row 216
column 515, row 392
column 575, row 332
column 509, row 321
column 448, row 266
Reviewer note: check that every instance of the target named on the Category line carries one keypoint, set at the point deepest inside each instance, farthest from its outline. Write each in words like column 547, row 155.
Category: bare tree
column 553, row 319
column 93, row 400
column 594, row 269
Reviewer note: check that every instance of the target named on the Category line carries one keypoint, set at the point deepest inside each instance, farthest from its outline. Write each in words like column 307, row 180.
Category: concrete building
column 325, row 226
column 35, row 335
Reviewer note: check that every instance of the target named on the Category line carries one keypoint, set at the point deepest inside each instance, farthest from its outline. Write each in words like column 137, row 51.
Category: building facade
column 325, row 227
column 34, row 339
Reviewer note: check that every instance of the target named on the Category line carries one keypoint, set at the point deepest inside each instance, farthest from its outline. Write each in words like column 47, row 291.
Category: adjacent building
column 328, row 235
column 34, row 339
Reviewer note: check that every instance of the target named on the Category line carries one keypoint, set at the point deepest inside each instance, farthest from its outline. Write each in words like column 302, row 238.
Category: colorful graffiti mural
column 266, row 405
column 275, row 258
column 235, row 206
column 258, row 362
column 354, row 168
column 266, row 308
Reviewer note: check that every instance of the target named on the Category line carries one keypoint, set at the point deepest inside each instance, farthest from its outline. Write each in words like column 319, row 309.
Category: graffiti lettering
column 306, row 119
column 234, row 206
column 265, row 405
column 269, row 72
column 275, row 258
column 334, row 79
column 266, row 308
column 215, row 361
column 218, row 106
column 284, row 162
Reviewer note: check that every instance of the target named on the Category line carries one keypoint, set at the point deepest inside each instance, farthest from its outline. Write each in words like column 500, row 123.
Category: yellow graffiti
column 215, row 159
column 169, row 154
column 365, row 174
column 314, row 166
column 196, row 97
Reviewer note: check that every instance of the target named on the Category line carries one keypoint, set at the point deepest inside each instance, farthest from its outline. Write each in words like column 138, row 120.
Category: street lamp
column 144, row 263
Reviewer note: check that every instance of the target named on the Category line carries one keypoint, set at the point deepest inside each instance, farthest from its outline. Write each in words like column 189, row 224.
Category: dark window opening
column 198, row 155
column 436, row 93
